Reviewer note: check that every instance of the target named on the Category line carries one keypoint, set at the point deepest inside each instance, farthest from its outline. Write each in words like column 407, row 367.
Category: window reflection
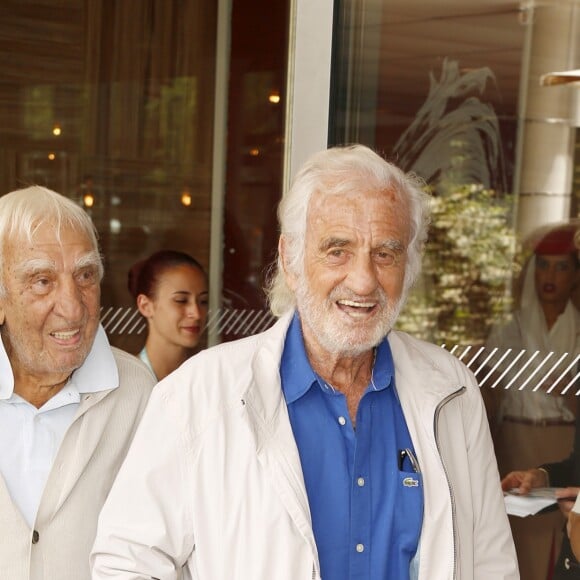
column 436, row 87
column 254, row 171
column 451, row 91
column 111, row 104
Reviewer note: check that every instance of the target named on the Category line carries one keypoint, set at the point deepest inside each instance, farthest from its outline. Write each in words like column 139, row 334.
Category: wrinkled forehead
column 32, row 245
column 384, row 206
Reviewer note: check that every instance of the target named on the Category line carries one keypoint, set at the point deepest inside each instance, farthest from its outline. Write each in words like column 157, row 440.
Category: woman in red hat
column 535, row 425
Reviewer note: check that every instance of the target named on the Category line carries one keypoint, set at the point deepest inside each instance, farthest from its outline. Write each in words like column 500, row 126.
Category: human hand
column 524, row 481
column 566, row 497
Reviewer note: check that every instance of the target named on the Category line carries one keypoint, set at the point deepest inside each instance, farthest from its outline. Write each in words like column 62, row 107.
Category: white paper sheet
column 530, row 504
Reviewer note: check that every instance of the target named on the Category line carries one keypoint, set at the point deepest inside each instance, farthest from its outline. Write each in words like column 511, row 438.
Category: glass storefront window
column 453, row 91
column 255, row 163
column 112, row 104
column 437, row 88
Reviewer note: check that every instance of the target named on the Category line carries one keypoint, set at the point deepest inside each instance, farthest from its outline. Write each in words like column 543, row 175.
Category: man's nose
column 69, row 300
column 362, row 278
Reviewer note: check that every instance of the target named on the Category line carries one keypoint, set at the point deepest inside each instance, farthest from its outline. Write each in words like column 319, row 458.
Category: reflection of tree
column 454, row 143
column 466, row 269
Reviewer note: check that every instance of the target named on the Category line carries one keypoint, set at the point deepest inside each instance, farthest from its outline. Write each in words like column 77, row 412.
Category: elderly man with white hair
column 69, row 403
column 329, row 446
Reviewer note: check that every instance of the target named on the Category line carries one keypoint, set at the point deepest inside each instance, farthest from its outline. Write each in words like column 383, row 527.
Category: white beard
column 337, row 337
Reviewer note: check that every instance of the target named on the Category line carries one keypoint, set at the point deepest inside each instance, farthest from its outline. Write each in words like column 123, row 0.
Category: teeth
column 65, row 335
column 356, row 304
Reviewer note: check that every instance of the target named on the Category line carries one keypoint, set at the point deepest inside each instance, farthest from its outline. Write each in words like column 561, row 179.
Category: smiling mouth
column 356, row 309
column 65, row 334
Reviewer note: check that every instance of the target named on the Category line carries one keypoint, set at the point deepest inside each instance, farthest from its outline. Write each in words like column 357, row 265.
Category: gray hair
column 23, row 211
column 338, row 171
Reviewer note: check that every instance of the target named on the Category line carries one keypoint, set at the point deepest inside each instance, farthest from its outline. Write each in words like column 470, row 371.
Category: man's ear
column 145, row 306
column 290, row 277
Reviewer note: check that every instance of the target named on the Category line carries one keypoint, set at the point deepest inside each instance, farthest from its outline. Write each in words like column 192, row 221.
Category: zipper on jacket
column 440, row 406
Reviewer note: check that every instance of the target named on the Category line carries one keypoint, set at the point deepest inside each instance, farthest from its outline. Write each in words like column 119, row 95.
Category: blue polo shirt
column 364, row 487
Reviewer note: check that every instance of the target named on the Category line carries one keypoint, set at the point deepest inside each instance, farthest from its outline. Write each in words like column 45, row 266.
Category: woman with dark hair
column 170, row 289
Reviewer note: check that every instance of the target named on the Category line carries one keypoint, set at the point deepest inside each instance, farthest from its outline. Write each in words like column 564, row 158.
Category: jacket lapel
column 76, row 450
column 275, row 444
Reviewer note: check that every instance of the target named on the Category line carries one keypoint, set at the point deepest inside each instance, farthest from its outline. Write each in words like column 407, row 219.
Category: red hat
column 558, row 241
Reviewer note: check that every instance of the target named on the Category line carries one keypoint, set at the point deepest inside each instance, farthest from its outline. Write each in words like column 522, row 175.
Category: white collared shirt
column 30, row 437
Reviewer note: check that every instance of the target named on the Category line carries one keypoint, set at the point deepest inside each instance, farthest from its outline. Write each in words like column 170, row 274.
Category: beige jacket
column 81, row 476
column 213, row 480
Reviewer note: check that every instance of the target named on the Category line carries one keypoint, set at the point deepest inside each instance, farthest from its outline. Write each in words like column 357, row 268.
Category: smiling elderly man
column 329, row 446
column 69, row 403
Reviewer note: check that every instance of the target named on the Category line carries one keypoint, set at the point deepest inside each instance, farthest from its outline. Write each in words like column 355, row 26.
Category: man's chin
column 356, row 344
column 68, row 364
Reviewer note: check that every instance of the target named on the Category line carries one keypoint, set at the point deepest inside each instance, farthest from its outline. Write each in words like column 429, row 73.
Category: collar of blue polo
column 297, row 374
column 97, row 373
